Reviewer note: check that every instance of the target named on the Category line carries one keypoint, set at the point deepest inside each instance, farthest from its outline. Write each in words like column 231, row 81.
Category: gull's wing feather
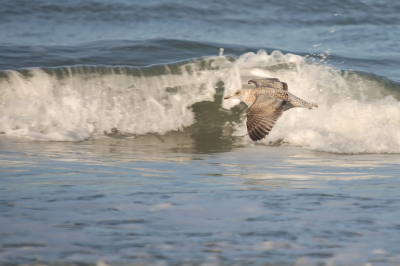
column 262, row 116
column 269, row 82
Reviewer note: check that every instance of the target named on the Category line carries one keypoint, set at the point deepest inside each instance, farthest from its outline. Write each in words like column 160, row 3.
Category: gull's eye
column 238, row 92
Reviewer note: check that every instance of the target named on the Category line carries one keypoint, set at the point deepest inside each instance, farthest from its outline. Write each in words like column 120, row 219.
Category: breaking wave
column 358, row 112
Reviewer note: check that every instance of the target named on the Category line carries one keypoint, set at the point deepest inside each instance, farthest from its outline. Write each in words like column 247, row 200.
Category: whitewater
column 358, row 113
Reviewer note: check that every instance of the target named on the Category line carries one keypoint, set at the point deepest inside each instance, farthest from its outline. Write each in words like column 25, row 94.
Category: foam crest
column 356, row 114
column 75, row 103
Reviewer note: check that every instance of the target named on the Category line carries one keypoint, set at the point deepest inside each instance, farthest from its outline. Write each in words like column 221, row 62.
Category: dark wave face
column 114, row 53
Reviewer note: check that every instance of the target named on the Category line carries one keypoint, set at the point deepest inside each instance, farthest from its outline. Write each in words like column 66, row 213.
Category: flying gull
column 266, row 102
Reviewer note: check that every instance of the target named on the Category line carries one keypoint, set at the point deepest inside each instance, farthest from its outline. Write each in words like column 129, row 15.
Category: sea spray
column 51, row 104
column 357, row 113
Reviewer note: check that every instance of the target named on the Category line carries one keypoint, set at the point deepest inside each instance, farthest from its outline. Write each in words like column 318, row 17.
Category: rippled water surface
column 112, row 202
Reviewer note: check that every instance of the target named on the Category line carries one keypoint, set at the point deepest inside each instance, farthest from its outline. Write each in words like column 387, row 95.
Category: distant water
column 93, row 92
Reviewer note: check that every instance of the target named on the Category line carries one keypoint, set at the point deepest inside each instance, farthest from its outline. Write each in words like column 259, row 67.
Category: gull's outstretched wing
column 262, row 116
column 270, row 83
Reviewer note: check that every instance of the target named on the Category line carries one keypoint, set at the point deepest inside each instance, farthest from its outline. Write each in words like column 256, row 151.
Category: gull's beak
column 227, row 97
column 251, row 81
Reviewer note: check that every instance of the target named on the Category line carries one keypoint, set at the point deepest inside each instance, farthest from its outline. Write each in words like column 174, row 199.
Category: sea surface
column 117, row 148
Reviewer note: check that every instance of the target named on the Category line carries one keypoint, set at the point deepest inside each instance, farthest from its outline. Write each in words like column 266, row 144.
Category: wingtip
column 256, row 135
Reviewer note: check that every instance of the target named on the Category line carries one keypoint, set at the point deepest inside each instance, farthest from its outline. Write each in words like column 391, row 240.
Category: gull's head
column 244, row 95
column 252, row 81
column 239, row 94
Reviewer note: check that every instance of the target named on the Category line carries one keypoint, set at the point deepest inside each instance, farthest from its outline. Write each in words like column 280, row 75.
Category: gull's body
column 266, row 104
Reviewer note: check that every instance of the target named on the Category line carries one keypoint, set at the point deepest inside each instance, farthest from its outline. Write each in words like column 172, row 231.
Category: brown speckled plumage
column 266, row 104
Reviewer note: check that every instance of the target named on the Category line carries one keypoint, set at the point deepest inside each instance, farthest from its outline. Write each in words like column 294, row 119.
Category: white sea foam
column 354, row 115
column 73, row 104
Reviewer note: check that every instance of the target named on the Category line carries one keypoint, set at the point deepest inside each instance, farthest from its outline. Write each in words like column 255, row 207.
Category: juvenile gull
column 266, row 102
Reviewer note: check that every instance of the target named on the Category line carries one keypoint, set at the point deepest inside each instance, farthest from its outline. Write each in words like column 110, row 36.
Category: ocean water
column 117, row 148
